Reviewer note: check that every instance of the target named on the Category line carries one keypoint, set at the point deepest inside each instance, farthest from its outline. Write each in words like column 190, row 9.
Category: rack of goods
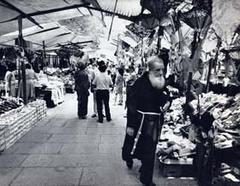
column 175, row 148
column 69, row 83
column 68, row 79
column 218, row 134
column 51, row 89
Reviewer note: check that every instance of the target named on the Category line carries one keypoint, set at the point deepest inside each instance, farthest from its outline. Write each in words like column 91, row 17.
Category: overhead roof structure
column 46, row 19
column 124, row 7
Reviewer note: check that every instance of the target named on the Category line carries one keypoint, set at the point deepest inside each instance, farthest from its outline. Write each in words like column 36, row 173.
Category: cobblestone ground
column 62, row 150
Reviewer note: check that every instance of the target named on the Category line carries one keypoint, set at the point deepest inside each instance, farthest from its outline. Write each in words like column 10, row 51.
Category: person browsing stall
column 148, row 100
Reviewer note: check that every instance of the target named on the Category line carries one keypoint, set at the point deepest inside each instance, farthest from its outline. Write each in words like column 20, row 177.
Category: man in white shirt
column 102, row 82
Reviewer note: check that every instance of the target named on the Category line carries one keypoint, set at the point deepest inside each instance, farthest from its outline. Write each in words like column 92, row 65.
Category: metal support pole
column 110, row 30
column 209, row 74
column 21, row 44
column 44, row 53
column 189, row 84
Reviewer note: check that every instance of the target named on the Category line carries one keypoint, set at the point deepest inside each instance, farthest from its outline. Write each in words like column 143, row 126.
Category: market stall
column 16, row 119
column 200, row 134
column 199, row 42
column 50, row 87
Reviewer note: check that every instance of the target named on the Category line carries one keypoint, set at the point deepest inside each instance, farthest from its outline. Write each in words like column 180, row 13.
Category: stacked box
column 17, row 127
column 2, row 138
column 16, row 123
column 41, row 108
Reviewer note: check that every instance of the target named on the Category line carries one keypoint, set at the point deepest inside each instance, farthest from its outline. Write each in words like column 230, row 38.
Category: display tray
column 176, row 168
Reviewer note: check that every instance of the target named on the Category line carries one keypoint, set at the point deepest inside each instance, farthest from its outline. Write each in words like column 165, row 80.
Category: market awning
column 45, row 11
column 43, row 20
column 53, row 35
column 125, row 7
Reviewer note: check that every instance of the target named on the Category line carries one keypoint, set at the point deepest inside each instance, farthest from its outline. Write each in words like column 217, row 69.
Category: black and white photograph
column 119, row 92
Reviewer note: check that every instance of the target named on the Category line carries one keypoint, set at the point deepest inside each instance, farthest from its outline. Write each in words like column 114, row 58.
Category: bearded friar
column 148, row 100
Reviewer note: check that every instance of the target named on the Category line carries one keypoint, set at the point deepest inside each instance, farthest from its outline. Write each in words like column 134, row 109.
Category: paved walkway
column 63, row 150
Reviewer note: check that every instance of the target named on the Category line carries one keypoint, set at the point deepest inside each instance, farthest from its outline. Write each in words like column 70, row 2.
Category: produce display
column 64, row 75
column 175, row 147
column 224, row 136
column 17, row 122
column 177, row 143
column 9, row 103
column 69, row 83
column 52, row 89
column 225, row 110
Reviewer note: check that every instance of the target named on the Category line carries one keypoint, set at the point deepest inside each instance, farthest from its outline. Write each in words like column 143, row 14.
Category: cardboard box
column 176, row 168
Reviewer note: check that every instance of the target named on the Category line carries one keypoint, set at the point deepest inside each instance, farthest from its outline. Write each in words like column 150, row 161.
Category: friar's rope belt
column 140, row 128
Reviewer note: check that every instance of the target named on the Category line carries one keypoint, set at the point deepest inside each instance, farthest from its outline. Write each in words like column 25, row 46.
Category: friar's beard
column 157, row 82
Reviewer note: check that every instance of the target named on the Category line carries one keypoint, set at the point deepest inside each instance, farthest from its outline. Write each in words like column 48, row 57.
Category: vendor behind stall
column 10, row 80
column 31, row 78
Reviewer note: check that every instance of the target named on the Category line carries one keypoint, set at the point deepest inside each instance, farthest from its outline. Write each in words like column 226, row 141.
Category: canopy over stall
column 54, row 14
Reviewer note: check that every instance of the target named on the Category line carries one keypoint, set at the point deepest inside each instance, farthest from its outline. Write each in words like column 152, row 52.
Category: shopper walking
column 119, row 87
column 102, row 83
column 148, row 100
column 82, row 84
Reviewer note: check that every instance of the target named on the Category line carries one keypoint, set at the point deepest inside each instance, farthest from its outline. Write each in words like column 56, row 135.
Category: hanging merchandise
column 196, row 18
column 160, row 8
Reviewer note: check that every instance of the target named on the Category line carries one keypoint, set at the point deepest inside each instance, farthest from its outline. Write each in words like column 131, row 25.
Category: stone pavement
column 62, row 150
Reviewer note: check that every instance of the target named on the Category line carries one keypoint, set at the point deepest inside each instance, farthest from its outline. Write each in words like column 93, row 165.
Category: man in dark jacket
column 82, row 85
column 148, row 100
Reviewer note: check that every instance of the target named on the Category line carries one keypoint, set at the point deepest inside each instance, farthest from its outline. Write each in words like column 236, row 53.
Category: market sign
column 226, row 18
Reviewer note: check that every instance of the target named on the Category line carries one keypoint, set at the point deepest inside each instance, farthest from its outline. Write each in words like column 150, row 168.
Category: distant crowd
column 100, row 78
